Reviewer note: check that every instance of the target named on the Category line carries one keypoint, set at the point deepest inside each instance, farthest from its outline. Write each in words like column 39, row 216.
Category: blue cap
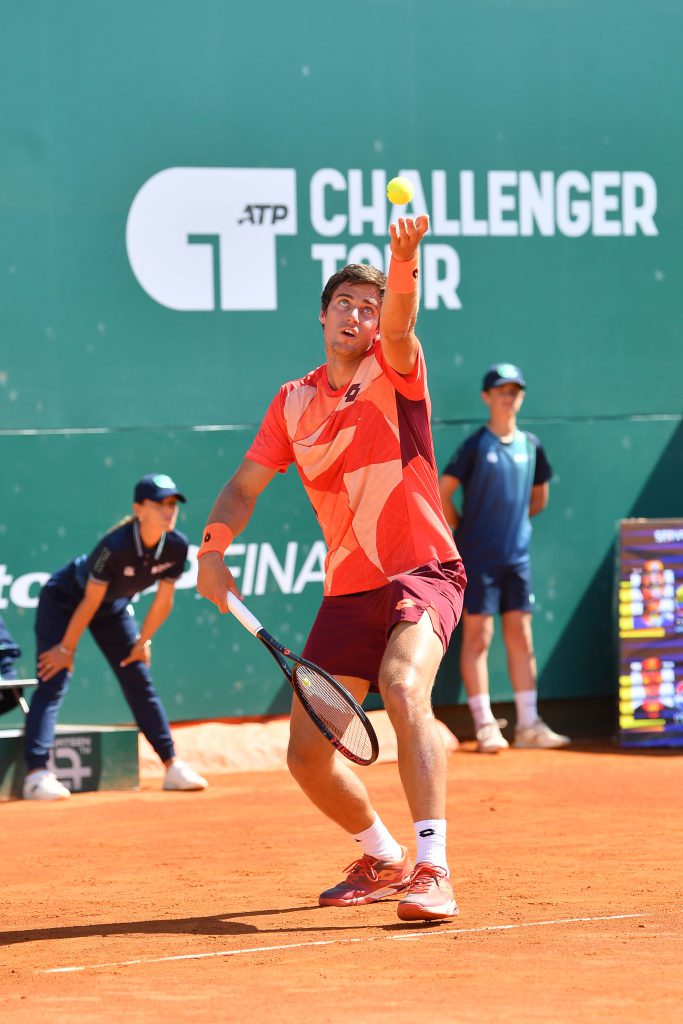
column 156, row 487
column 502, row 373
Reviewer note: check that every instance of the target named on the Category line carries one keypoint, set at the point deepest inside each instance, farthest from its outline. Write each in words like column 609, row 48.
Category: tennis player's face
column 351, row 321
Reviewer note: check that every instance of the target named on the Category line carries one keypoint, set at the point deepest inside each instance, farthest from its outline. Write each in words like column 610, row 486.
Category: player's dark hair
column 353, row 273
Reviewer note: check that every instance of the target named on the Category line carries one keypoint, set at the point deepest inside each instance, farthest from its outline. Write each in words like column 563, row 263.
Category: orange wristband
column 403, row 275
column 217, row 537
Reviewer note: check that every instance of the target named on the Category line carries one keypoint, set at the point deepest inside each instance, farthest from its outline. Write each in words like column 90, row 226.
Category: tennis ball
column 400, row 191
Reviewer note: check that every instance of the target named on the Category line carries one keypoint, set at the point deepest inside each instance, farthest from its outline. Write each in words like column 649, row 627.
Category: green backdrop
column 177, row 179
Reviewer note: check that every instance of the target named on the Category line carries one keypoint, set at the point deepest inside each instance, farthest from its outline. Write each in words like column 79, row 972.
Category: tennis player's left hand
column 406, row 236
column 140, row 651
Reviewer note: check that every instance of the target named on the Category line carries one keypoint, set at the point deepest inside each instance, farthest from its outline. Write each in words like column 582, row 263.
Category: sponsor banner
column 257, row 566
column 205, row 238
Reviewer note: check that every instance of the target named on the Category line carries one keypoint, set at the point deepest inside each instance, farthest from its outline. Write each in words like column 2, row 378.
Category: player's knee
column 405, row 699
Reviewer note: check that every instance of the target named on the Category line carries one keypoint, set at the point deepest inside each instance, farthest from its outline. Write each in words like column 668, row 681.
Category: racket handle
column 243, row 615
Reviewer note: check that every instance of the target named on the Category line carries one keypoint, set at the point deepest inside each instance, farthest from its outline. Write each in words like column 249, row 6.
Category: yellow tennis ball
column 400, row 191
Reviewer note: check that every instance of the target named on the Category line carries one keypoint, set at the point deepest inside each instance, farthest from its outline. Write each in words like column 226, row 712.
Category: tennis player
column 358, row 430
column 94, row 592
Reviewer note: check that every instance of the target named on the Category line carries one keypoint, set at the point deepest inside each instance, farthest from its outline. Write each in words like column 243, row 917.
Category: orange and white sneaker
column 429, row 896
column 368, row 880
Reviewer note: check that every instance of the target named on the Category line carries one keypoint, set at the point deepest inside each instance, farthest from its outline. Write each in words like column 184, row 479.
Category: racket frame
column 283, row 656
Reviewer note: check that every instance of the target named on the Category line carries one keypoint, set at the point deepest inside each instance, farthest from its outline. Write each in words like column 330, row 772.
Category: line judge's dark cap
column 156, row 487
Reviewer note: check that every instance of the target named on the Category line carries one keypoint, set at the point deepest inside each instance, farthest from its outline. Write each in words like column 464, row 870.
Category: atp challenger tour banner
column 205, row 238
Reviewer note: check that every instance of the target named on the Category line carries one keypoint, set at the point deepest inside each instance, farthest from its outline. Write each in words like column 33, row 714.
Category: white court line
column 339, row 942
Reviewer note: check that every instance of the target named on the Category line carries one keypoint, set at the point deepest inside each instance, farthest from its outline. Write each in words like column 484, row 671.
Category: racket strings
column 334, row 711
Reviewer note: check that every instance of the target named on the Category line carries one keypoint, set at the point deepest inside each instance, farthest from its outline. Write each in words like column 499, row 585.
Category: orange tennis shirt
column 366, row 458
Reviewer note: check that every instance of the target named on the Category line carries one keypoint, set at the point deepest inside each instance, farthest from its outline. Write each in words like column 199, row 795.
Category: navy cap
column 156, row 487
column 502, row 373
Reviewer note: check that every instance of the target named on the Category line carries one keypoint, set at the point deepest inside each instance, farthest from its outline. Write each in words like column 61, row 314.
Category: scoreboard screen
column 650, row 565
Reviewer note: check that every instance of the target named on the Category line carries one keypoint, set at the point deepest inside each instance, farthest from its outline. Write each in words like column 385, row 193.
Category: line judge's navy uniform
column 128, row 567
column 494, row 533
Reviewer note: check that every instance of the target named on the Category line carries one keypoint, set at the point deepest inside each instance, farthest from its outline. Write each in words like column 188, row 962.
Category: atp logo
column 205, row 238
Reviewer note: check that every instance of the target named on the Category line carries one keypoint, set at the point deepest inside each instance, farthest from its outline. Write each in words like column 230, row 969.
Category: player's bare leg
column 407, row 675
column 406, row 679
column 324, row 776
column 330, row 783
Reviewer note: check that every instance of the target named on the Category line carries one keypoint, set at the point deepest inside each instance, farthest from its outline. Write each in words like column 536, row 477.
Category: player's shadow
column 217, row 925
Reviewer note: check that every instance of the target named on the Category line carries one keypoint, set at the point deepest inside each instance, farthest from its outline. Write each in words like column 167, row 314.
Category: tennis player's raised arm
column 232, row 509
column 401, row 299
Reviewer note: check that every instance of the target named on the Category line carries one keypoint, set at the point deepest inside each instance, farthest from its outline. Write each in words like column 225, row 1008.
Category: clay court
column 151, row 906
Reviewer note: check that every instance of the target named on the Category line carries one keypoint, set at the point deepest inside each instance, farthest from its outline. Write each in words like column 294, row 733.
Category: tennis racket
column 327, row 703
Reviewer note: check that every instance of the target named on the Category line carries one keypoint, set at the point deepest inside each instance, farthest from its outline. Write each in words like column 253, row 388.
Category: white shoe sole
column 414, row 912
column 545, row 745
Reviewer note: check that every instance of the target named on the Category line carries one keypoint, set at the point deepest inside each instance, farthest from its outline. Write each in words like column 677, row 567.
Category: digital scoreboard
column 650, row 566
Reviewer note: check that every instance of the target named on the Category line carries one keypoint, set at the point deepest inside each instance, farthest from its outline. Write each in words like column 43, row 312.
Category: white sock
column 377, row 841
column 431, row 841
column 480, row 708
column 526, row 702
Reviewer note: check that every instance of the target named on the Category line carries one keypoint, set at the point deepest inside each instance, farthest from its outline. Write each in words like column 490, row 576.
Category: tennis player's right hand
column 214, row 580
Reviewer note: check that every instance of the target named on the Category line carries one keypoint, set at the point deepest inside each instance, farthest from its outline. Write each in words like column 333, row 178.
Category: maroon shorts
column 350, row 633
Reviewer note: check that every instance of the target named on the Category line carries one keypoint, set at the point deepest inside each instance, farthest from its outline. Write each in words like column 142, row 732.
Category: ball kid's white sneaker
column 539, row 736
column 490, row 739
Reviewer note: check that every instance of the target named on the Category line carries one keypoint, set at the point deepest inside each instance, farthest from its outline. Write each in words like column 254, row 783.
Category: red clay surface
column 202, row 907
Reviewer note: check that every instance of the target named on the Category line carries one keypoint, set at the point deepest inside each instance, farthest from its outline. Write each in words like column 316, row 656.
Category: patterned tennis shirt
column 365, row 456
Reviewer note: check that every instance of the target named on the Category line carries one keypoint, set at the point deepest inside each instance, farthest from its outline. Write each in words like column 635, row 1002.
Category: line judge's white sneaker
column 44, row 785
column 490, row 739
column 539, row 736
column 180, row 776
